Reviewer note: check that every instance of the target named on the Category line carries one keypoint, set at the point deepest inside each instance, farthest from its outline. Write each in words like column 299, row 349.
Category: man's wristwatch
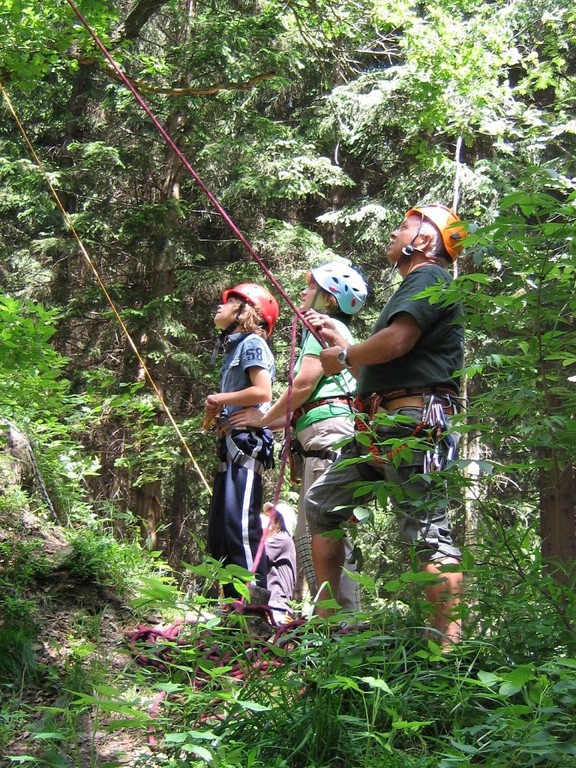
column 342, row 358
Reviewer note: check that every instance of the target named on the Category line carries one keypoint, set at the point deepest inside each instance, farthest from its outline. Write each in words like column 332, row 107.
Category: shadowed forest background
column 316, row 126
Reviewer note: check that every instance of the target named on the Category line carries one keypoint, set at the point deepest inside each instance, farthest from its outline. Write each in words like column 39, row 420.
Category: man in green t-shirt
column 408, row 367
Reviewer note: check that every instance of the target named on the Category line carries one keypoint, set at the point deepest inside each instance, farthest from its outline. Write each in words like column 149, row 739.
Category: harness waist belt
column 396, row 394
column 299, row 412
column 224, row 428
column 417, row 401
column 392, row 401
column 318, row 453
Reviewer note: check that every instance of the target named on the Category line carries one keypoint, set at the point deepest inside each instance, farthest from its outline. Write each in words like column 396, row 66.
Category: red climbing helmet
column 444, row 219
column 258, row 297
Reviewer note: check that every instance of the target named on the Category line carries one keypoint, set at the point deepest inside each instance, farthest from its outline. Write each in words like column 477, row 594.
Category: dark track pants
column 234, row 526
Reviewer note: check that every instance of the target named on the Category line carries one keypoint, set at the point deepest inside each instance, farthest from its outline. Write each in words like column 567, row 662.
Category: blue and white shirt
column 243, row 351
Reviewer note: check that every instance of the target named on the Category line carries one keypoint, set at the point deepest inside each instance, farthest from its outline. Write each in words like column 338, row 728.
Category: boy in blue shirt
column 322, row 408
column 245, row 317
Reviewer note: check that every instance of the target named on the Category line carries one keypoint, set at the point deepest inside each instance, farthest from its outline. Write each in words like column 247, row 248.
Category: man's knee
column 329, row 501
column 318, row 519
column 315, row 506
column 322, row 517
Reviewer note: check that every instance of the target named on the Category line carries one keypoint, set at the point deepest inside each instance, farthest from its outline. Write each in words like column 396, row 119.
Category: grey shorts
column 420, row 506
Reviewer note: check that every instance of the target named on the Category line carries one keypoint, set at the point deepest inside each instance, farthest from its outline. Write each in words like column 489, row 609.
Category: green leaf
column 375, row 682
column 489, row 678
column 253, row 706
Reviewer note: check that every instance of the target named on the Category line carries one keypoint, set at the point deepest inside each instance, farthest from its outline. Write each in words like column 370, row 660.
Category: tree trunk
column 557, row 486
column 147, row 506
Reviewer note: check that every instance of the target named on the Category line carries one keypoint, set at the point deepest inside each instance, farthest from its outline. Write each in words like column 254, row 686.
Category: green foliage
column 325, row 694
column 27, row 54
column 355, row 114
column 21, row 563
column 18, row 663
column 30, row 369
column 531, row 303
column 24, row 560
column 98, row 557
column 526, row 719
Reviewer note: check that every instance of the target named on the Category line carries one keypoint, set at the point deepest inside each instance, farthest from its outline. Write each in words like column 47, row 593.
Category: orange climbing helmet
column 260, row 298
column 445, row 221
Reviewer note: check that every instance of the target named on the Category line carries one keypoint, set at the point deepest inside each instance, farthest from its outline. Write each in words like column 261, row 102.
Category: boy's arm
column 305, row 382
column 259, row 392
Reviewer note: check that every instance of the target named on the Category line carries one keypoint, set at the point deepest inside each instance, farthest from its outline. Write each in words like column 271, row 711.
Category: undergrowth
column 351, row 692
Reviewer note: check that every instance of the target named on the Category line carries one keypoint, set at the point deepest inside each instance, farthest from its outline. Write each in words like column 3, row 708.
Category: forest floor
column 78, row 638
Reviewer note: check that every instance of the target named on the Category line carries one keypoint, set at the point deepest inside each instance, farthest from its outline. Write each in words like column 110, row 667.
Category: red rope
column 286, row 447
column 178, row 152
column 289, row 391
column 157, row 648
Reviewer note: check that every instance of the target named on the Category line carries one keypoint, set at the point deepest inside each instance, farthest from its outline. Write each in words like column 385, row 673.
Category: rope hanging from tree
column 142, row 362
column 104, row 290
column 178, row 152
column 456, row 197
column 225, row 216
column 285, row 446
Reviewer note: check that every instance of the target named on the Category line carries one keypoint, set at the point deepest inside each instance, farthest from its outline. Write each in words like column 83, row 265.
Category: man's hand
column 329, row 360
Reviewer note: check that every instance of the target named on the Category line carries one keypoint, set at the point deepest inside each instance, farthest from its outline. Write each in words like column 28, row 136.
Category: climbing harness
column 324, row 453
column 297, row 454
column 240, row 458
column 444, row 444
column 435, row 404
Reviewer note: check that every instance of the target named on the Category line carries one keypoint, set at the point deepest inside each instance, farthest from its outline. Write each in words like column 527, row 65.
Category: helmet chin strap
column 316, row 297
column 223, row 335
column 220, row 341
column 409, row 249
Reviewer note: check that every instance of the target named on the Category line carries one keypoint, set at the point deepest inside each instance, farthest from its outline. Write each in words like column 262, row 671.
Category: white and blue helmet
column 344, row 283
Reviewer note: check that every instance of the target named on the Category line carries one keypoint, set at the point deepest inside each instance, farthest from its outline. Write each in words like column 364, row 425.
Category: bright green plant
column 31, row 370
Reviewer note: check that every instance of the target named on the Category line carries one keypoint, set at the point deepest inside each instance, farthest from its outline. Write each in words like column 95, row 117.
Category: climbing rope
column 158, row 648
column 457, row 175
column 263, row 649
column 104, row 290
column 178, row 152
column 285, row 445
column 458, row 162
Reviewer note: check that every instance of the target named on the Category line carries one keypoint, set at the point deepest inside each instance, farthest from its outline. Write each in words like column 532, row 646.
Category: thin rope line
column 104, row 289
column 456, row 198
column 289, row 391
column 457, row 155
column 178, row 152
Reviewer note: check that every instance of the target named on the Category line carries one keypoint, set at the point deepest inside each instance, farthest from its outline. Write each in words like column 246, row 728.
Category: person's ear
column 330, row 304
column 423, row 242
